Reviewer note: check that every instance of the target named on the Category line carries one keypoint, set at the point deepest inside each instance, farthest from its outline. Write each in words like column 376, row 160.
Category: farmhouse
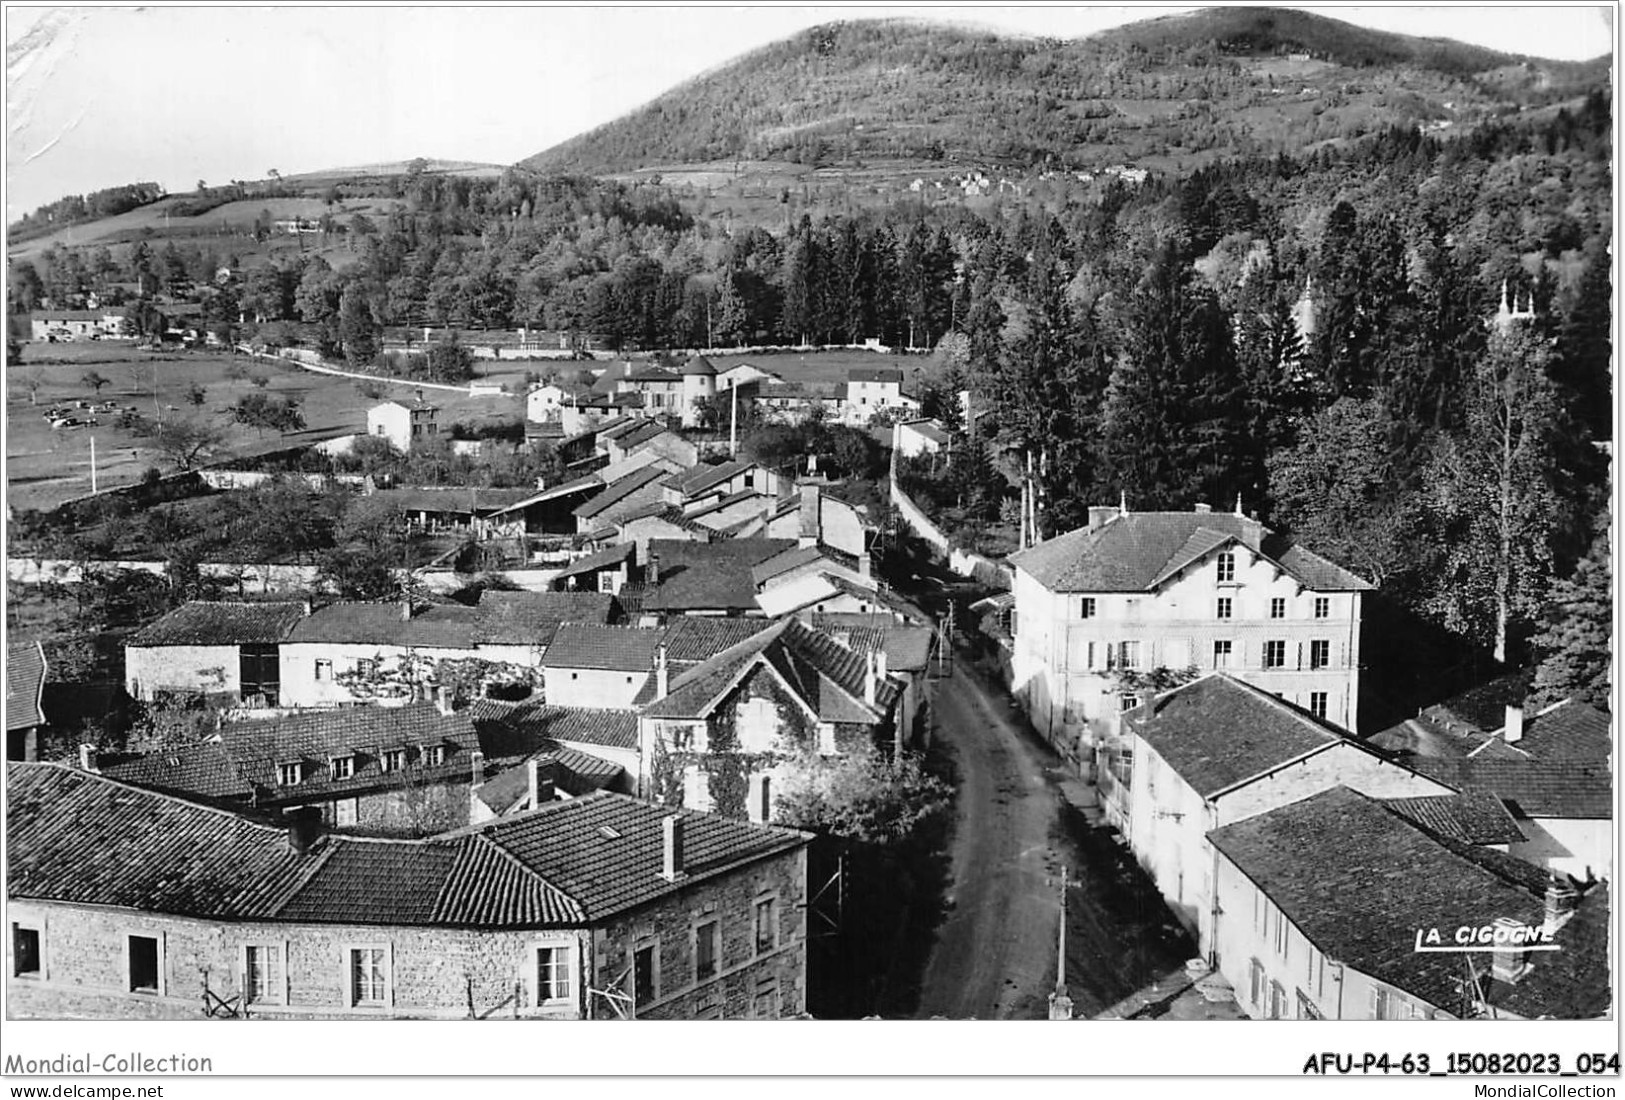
column 229, row 652
column 600, row 907
column 77, row 324
column 403, row 423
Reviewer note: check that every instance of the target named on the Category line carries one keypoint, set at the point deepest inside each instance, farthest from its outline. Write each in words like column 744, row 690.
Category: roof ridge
column 152, row 792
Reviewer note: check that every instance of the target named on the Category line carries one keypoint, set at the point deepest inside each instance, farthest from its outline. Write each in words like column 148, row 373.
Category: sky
column 101, row 96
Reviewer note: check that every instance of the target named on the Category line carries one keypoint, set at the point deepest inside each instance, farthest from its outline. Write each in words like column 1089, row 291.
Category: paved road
column 995, row 953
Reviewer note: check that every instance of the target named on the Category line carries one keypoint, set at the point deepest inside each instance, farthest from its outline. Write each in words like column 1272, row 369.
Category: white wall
column 208, row 669
column 1574, row 846
column 593, row 687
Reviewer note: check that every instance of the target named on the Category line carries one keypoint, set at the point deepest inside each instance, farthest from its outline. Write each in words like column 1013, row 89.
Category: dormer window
column 392, row 760
column 1227, row 568
column 434, row 755
column 289, row 773
column 343, row 767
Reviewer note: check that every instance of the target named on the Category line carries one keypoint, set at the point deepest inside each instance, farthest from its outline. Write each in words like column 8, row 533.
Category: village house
column 545, row 403
column 911, row 438
column 1553, row 770
column 742, row 374
column 1098, row 609
column 607, row 735
column 227, row 652
column 608, row 570
column 737, row 515
column 599, row 666
column 404, row 423
column 661, row 389
column 1220, row 750
column 624, row 497
column 708, row 483
column 699, row 392
column 660, row 521
column 25, row 694
column 600, row 907
column 551, row 510
column 699, row 578
column 870, row 390
column 1325, row 899
column 653, row 436
column 725, row 734
column 909, row 649
column 78, row 324
column 461, row 510
column 813, row 516
column 403, row 770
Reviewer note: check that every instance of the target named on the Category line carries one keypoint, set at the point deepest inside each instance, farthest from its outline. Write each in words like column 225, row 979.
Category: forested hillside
column 1222, row 82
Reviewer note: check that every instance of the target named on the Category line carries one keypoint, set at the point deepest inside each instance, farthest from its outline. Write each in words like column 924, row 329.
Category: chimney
column 869, row 679
column 809, row 516
column 442, row 700
column 419, row 395
column 1204, row 509
column 1100, row 515
column 541, row 783
column 880, row 664
column 671, row 864
column 866, row 568
column 88, row 759
column 1506, row 959
column 1560, row 900
column 654, row 569
column 662, row 681
column 477, row 768
column 1238, row 504
column 1513, row 733
column 304, row 828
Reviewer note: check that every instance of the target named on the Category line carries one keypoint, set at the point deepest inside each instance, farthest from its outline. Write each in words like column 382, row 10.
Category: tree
column 196, row 395
column 34, row 379
column 358, row 329
column 95, row 381
column 263, row 412
column 182, row 441
column 449, row 361
column 1573, row 646
column 861, row 796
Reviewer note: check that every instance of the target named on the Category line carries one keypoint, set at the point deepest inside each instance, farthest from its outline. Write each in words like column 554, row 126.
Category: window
column 644, row 986
column 1320, row 653
column 554, row 974
column 433, row 428
column 25, row 952
column 1277, row 1001
column 434, row 755
column 393, row 760
column 1323, row 607
column 1379, row 1004
column 1257, row 982
column 369, row 976
column 1225, row 605
column 1317, row 704
column 1129, row 655
column 1086, row 607
column 1227, row 568
column 1275, row 654
column 767, row 925
column 344, row 811
column 343, row 767
column 1130, row 702
column 766, row 804
column 262, row 974
column 366, row 666
column 1221, row 653
column 288, row 774
column 1278, row 608
column 705, row 951
column 143, row 955
column 324, row 669
column 1283, row 939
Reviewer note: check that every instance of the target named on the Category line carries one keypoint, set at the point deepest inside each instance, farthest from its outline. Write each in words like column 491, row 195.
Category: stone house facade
column 211, row 914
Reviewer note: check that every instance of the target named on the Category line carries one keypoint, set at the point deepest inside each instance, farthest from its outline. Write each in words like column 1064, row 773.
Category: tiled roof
column 462, row 501
column 708, row 512
column 603, row 559
column 714, row 576
column 1574, row 789
column 1132, row 553
column 202, row 771
column 76, row 837
column 691, row 639
column 81, row 838
column 703, row 477
column 796, row 557
column 1568, row 730
column 874, row 374
column 1359, row 881
column 619, row 491
column 573, row 772
column 1217, row 731
column 654, row 374
column 588, row 484
column 449, row 626
column 699, row 364
column 1473, row 817
column 206, row 622
column 670, row 514
column 643, row 433
column 618, row 648
column 527, row 727
column 532, row 618
column 929, row 429
column 604, row 850
column 826, row 676
column 25, row 684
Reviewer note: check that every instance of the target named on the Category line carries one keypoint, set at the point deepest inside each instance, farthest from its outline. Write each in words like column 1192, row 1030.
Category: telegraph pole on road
column 1060, row 1005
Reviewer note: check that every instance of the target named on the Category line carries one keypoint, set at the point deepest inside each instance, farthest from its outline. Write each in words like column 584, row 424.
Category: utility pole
column 1060, row 1005
column 733, row 422
column 93, row 465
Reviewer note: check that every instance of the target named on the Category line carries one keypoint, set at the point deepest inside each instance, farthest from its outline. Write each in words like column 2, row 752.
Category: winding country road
column 995, row 952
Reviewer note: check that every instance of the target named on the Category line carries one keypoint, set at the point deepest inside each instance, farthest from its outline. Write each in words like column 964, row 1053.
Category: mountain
column 1164, row 92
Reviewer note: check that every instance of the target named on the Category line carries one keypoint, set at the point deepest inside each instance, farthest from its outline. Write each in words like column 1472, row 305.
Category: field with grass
column 45, row 466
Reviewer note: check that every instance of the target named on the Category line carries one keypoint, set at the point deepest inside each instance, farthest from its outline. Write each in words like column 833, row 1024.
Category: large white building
column 1099, row 609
